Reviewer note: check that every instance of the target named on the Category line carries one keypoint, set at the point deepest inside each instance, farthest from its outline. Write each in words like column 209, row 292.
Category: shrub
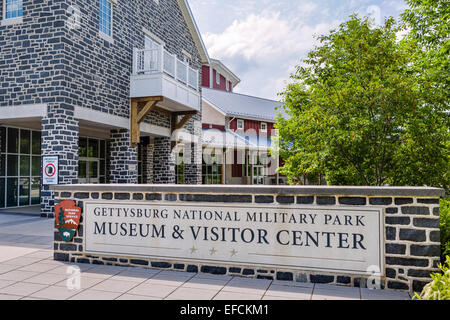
column 439, row 288
column 444, row 213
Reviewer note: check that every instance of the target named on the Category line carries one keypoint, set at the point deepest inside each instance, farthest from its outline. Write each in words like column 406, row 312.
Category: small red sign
column 50, row 170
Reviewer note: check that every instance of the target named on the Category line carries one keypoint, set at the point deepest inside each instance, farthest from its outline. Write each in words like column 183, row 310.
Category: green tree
column 357, row 113
column 428, row 26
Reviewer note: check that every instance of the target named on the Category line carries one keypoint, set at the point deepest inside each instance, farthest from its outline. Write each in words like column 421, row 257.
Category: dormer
column 217, row 76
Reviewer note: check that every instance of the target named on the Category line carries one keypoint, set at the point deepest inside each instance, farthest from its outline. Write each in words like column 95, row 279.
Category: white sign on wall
column 50, row 170
column 348, row 240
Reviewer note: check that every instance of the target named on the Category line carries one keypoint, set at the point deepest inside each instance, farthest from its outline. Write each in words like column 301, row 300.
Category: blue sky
column 262, row 41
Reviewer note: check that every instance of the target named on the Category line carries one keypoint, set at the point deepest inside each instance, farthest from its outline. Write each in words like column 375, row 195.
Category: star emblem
column 212, row 251
column 193, row 249
column 233, row 252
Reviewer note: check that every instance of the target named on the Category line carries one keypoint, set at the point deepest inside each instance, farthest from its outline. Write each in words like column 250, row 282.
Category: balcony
column 157, row 73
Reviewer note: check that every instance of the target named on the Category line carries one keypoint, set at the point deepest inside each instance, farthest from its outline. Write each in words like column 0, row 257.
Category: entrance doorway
column 88, row 171
column 92, row 161
column 258, row 175
column 255, row 169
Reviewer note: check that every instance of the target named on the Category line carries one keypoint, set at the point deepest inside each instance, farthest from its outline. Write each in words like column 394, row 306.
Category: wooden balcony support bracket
column 176, row 125
column 140, row 108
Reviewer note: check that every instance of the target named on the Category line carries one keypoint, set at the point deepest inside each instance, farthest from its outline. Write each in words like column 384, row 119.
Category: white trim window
column 13, row 9
column 106, row 17
column 240, row 124
column 263, row 127
column 150, row 43
column 228, row 85
column 187, row 57
column 217, row 77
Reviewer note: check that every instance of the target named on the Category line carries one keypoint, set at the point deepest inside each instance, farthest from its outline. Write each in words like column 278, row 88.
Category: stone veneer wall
column 163, row 162
column 49, row 59
column 193, row 170
column 412, row 236
column 147, row 159
column 60, row 135
column 122, row 158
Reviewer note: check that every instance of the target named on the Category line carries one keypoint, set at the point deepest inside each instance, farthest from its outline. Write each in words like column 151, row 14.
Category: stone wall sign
column 332, row 239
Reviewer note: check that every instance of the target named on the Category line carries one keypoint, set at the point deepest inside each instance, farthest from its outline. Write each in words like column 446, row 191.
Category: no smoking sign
column 50, row 170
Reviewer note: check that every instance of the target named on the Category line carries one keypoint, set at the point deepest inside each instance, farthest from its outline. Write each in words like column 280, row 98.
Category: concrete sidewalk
column 27, row 271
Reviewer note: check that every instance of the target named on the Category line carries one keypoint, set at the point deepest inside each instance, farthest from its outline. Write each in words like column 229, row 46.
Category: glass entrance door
column 92, row 161
column 258, row 175
column 88, row 171
column 20, row 167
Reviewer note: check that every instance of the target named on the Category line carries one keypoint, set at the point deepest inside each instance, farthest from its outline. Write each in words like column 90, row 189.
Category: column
column 123, row 166
column 60, row 133
column 147, row 162
column 163, row 162
column 193, row 169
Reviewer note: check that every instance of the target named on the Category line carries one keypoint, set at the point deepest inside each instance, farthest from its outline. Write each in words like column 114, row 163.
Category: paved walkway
column 27, row 271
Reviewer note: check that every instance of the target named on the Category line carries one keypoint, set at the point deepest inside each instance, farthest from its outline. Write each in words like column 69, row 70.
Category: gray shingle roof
column 214, row 138
column 243, row 106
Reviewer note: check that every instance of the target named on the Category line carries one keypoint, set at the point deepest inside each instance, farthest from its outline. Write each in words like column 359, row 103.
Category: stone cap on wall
column 253, row 189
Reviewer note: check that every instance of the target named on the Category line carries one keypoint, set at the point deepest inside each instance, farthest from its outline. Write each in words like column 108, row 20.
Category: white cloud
column 264, row 37
column 263, row 40
column 306, row 8
column 396, row 5
column 265, row 48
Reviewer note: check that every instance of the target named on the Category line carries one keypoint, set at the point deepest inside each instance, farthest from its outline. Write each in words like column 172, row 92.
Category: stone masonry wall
column 50, row 59
column 122, row 159
column 148, row 155
column 411, row 238
column 31, row 54
column 99, row 70
column 59, row 138
column 163, row 162
column 57, row 57
column 193, row 170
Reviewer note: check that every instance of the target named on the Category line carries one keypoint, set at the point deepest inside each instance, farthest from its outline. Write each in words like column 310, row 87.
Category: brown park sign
column 68, row 217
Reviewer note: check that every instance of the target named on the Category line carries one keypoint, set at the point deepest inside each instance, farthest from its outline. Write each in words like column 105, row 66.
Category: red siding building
column 218, row 76
column 238, row 130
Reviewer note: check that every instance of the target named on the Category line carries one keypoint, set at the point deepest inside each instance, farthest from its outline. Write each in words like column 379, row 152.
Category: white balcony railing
column 150, row 61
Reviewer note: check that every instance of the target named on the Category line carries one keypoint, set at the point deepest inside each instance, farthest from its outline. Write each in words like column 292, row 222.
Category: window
column 263, row 127
column 212, row 173
column 240, row 124
column 179, row 168
column 149, row 60
column 105, row 17
column 13, row 9
column 217, row 77
column 140, row 160
column 150, row 43
column 92, row 161
column 20, row 167
column 255, row 167
column 187, row 58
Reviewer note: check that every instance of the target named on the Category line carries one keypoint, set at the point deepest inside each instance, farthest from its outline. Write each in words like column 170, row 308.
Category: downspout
column 228, row 128
column 229, row 122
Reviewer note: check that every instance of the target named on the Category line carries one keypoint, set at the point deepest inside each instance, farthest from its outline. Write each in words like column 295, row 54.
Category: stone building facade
column 62, row 77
